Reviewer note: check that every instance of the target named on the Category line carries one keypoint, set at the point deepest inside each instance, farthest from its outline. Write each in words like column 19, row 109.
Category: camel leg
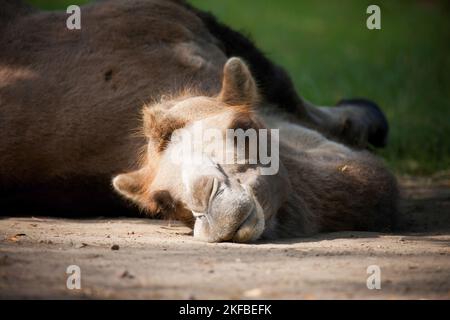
column 356, row 122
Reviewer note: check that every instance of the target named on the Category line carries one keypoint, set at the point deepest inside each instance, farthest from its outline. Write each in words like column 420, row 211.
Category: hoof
column 373, row 118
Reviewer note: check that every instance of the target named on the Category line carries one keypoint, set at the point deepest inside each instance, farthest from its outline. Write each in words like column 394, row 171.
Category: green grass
column 330, row 54
column 55, row 4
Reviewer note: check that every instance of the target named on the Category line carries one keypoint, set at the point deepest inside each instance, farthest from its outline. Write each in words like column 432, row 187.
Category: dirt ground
column 160, row 260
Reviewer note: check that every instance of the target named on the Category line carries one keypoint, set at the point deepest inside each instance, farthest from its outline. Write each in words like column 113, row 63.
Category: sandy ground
column 160, row 260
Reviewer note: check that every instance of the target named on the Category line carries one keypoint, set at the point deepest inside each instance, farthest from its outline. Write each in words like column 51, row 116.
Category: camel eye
column 216, row 190
column 203, row 190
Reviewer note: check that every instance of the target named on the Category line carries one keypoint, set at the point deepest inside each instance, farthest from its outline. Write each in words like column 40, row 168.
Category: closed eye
column 214, row 191
column 220, row 191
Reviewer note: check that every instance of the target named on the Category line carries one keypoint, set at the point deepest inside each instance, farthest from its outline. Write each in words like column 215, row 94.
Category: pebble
column 253, row 293
column 127, row 275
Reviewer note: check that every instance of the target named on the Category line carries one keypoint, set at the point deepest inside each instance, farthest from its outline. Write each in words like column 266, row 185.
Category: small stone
column 253, row 293
column 127, row 275
column 16, row 237
column 115, row 247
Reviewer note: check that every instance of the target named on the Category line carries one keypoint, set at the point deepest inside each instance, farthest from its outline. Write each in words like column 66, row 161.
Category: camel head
column 205, row 162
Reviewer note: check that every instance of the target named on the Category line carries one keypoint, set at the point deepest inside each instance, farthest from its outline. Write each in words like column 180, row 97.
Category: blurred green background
column 330, row 54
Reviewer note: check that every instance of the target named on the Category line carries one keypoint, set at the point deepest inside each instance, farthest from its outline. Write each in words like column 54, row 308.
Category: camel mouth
column 252, row 227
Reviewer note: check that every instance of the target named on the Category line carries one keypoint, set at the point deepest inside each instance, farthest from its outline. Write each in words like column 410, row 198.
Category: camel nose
column 230, row 207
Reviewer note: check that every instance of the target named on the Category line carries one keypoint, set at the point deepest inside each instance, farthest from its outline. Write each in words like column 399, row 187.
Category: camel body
column 71, row 106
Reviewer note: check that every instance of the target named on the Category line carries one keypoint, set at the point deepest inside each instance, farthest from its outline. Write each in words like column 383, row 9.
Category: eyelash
column 220, row 191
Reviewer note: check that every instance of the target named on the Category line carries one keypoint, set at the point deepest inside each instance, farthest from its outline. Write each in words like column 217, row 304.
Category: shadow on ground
column 154, row 259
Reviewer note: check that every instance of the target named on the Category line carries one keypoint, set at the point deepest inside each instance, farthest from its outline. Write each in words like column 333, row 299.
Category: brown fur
column 57, row 84
column 71, row 112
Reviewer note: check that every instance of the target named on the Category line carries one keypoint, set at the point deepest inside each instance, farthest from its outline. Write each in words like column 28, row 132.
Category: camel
column 89, row 120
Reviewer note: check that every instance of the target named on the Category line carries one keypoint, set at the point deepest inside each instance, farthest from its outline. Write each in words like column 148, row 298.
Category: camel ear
column 238, row 85
column 129, row 184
